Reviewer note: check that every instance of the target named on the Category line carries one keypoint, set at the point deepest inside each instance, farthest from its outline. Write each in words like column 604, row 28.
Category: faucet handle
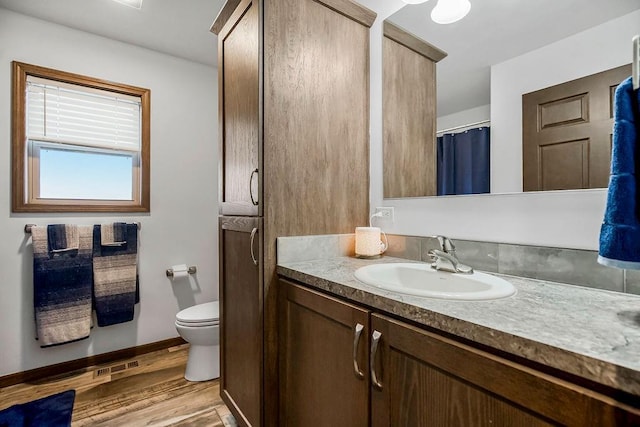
column 448, row 262
column 446, row 245
column 437, row 255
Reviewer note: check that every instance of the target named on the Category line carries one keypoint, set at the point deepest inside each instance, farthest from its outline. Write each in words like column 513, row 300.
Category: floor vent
column 101, row 372
column 116, row 368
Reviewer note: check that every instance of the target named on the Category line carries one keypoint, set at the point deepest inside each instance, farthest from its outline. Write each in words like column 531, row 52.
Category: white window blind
column 79, row 115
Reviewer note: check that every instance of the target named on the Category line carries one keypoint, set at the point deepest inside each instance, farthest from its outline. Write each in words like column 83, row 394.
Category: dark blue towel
column 620, row 232
column 115, row 286
column 62, row 284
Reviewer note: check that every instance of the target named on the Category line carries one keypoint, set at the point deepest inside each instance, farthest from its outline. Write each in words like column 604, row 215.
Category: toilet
column 199, row 326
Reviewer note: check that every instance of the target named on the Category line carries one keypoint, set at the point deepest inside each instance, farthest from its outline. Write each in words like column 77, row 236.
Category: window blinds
column 79, row 115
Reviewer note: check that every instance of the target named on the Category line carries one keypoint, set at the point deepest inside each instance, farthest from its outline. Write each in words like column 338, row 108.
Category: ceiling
column 176, row 27
column 495, row 31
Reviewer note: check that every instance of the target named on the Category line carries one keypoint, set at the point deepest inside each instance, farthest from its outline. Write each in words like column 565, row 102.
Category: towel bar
column 635, row 65
column 27, row 227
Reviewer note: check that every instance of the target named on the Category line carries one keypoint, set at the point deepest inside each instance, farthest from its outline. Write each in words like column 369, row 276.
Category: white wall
column 559, row 219
column 384, row 9
column 182, row 225
column 464, row 117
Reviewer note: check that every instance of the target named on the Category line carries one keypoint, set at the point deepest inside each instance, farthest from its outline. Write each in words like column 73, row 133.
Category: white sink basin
column 421, row 280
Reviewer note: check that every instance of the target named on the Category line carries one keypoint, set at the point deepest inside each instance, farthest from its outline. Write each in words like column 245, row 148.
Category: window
column 79, row 144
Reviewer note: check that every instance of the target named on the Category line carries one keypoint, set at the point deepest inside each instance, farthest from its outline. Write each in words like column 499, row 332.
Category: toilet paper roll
column 180, row 270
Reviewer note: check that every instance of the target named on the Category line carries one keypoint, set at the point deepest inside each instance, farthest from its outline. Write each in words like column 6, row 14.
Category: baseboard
column 85, row 362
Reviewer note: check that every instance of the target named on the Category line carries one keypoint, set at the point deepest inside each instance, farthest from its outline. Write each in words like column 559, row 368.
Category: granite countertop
column 591, row 333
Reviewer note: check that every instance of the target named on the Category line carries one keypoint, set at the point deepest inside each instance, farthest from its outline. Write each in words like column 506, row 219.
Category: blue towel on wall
column 620, row 232
column 115, row 287
column 62, row 284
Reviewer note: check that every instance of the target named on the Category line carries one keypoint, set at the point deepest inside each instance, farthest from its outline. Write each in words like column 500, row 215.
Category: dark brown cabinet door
column 239, row 111
column 241, row 317
column 566, row 133
column 429, row 380
column 324, row 377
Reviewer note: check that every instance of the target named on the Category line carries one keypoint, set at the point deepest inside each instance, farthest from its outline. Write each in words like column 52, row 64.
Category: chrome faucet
column 445, row 259
column 446, row 245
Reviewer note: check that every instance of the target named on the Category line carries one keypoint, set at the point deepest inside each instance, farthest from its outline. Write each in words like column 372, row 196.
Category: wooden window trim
column 19, row 149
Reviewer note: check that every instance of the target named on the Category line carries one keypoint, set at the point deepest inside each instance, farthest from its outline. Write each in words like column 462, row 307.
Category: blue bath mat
column 50, row 411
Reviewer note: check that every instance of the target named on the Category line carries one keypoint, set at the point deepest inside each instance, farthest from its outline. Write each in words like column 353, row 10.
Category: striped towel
column 114, row 277
column 62, row 237
column 114, row 234
column 62, row 286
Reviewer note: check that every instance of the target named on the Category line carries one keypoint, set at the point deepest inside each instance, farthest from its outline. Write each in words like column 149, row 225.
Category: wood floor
column 149, row 390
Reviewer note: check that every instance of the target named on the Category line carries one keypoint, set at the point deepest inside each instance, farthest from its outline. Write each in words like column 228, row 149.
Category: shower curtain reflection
column 463, row 162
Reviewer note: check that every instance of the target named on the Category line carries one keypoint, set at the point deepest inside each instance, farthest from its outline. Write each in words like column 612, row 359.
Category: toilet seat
column 200, row 315
column 197, row 324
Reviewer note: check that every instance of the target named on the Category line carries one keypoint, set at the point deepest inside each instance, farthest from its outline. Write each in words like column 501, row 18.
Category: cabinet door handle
column 356, row 341
column 372, row 362
column 253, row 237
column 254, row 172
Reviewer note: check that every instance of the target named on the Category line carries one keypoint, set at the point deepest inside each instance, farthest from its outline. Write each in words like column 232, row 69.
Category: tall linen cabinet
column 294, row 160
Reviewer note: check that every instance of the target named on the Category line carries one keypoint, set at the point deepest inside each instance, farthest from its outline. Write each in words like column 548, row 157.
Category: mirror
column 503, row 50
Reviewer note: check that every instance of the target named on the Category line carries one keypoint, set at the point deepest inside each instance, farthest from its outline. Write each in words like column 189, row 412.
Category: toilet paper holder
column 190, row 270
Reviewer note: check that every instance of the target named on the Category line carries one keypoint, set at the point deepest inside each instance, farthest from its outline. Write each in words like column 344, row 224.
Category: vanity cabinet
column 416, row 377
column 324, row 356
column 293, row 87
